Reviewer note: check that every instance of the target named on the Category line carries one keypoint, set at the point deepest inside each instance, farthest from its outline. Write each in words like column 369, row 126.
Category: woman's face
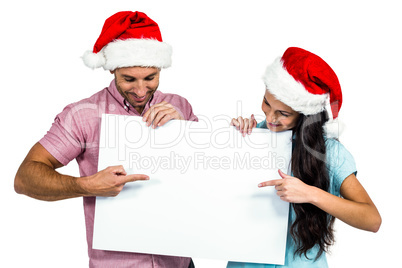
column 279, row 116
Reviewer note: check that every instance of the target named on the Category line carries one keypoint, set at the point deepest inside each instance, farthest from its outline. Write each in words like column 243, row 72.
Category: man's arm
column 37, row 177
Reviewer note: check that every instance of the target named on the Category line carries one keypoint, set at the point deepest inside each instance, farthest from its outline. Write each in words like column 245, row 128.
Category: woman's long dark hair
column 312, row 226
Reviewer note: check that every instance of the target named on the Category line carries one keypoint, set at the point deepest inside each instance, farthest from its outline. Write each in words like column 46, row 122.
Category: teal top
column 340, row 164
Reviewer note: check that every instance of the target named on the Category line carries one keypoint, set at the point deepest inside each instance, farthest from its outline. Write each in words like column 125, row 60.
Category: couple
column 298, row 86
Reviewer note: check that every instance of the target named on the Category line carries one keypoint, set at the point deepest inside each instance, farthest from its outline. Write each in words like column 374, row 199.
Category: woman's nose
column 271, row 117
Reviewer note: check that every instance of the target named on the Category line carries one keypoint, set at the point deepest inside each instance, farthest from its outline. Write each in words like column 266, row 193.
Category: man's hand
column 161, row 113
column 245, row 125
column 108, row 182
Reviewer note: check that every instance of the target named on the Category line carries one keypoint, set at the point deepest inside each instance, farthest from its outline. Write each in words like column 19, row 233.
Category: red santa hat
column 306, row 83
column 129, row 39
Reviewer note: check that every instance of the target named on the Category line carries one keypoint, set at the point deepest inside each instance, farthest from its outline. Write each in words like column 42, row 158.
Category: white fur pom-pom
column 333, row 128
column 93, row 60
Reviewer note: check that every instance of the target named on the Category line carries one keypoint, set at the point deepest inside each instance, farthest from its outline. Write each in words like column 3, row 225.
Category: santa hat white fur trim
column 93, row 60
column 129, row 53
column 333, row 128
column 291, row 92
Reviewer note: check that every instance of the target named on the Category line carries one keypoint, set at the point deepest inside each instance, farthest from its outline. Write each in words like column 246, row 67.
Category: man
column 130, row 46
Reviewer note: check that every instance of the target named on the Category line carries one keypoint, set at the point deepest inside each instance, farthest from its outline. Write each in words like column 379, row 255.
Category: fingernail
column 260, row 185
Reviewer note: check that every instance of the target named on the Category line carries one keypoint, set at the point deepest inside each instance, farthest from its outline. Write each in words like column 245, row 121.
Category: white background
column 221, row 49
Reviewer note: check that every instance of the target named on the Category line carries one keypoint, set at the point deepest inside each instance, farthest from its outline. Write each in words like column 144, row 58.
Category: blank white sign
column 202, row 199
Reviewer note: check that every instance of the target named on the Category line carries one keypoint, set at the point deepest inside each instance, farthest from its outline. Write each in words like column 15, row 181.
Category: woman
column 299, row 87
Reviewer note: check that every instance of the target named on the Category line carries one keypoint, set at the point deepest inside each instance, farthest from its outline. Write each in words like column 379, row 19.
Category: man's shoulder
column 90, row 107
column 96, row 98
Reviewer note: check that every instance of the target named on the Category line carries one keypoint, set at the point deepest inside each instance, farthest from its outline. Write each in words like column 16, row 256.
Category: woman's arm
column 355, row 208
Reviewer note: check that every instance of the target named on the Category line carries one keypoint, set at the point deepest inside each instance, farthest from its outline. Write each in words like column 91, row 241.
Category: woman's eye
column 284, row 114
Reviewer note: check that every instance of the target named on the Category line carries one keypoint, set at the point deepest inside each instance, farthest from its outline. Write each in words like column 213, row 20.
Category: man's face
column 137, row 84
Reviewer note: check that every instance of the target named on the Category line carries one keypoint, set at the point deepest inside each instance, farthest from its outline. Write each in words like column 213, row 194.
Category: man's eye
column 150, row 78
column 129, row 79
column 284, row 114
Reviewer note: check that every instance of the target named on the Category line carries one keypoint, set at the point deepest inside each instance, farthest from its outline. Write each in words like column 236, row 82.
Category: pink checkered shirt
column 75, row 134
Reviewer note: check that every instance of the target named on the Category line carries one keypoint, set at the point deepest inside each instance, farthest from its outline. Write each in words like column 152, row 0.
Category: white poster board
column 202, row 199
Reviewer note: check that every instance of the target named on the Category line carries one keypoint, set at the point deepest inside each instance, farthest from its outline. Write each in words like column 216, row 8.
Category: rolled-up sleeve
column 64, row 138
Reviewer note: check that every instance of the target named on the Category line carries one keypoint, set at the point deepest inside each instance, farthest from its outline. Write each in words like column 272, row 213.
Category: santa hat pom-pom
column 93, row 60
column 333, row 128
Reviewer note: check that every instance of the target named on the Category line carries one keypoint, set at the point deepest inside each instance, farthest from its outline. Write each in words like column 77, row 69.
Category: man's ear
column 112, row 72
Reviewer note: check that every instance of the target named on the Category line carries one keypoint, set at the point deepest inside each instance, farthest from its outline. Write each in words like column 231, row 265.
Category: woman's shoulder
column 336, row 150
column 334, row 146
column 340, row 161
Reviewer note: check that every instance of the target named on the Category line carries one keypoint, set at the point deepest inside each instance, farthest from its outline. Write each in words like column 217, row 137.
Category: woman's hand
column 290, row 189
column 244, row 125
column 355, row 208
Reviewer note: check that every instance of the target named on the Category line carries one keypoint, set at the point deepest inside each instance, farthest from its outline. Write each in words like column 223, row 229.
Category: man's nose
column 140, row 89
